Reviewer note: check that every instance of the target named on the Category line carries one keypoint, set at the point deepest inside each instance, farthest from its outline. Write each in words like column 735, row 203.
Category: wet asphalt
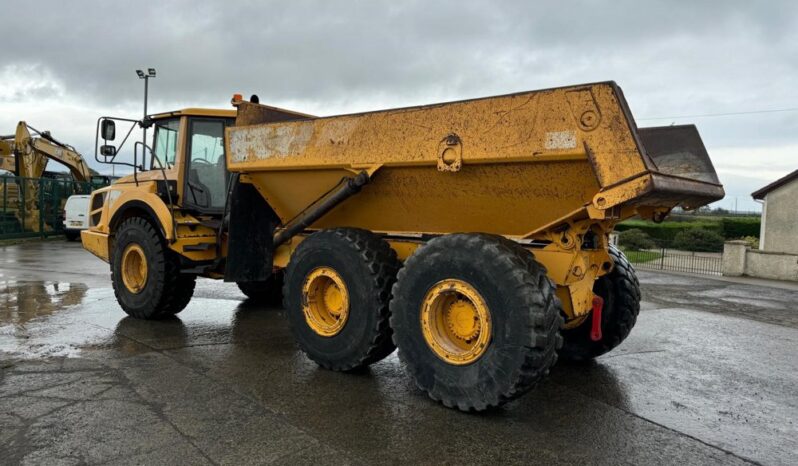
column 708, row 376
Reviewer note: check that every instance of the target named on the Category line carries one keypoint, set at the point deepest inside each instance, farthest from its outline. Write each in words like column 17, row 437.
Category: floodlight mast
column 146, row 78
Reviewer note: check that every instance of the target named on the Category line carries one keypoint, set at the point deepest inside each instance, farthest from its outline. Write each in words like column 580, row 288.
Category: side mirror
column 108, row 151
column 108, row 130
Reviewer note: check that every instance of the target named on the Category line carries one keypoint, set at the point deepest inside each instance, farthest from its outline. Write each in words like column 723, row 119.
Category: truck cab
column 178, row 184
column 190, row 142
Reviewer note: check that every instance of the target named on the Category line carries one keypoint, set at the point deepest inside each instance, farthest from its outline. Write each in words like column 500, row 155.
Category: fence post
column 662, row 259
column 734, row 258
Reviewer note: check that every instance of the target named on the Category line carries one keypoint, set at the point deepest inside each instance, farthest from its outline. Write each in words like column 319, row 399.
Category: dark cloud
column 347, row 50
column 671, row 57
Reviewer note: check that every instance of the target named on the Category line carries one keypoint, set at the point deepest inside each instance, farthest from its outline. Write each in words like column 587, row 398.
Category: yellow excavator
column 26, row 154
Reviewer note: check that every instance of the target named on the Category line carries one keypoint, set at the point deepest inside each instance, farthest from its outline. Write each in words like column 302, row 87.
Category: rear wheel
column 476, row 320
column 620, row 291
column 268, row 292
column 146, row 274
column 336, row 293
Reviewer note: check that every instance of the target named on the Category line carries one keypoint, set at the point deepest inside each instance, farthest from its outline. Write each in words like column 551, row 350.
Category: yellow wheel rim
column 134, row 268
column 456, row 322
column 325, row 301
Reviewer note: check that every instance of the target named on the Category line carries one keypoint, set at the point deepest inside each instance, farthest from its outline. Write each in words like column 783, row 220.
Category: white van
column 76, row 216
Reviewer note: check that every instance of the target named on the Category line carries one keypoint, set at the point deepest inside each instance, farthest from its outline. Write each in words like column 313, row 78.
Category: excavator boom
column 27, row 155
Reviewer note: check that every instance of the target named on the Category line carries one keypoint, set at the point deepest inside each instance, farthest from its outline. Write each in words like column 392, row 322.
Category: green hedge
column 698, row 239
column 635, row 240
column 665, row 232
column 733, row 228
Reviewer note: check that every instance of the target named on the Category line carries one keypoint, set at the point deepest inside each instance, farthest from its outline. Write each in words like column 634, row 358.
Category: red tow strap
column 595, row 329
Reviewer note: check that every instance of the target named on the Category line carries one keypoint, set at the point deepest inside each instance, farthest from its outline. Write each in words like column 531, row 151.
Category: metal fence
column 31, row 207
column 709, row 263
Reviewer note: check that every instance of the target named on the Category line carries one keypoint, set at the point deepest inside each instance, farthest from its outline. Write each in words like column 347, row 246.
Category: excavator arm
column 27, row 155
column 65, row 155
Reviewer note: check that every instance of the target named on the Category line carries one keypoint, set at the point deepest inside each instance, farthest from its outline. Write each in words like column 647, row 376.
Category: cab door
column 205, row 189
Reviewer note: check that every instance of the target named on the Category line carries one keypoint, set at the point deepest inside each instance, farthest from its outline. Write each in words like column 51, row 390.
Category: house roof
column 762, row 192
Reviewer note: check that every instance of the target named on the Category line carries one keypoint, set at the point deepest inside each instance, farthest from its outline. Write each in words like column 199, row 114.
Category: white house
column 777, row 256
column 779, row 232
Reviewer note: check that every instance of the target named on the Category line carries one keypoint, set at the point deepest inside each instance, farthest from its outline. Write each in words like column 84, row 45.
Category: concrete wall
column 739, row 259
column 780, row 220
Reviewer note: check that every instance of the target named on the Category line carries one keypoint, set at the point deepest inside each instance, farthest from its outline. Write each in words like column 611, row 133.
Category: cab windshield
column 165, row 143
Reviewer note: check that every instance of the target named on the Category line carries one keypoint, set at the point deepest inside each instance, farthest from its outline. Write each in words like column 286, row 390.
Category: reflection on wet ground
column 224, row 382
column 23, row 301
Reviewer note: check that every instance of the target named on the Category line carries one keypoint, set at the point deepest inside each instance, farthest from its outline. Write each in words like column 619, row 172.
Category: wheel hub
column 325, row 301
column 455, row 321
column 463, row 319
column 134, row 268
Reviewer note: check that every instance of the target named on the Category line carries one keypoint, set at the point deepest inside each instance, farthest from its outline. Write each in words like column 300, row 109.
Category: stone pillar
column 734, row 258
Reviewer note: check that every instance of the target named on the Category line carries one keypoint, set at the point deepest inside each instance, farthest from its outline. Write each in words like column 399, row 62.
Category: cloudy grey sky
column 63, row 64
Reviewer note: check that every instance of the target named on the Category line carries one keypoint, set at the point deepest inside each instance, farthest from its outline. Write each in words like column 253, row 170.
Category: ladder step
column 198, row 247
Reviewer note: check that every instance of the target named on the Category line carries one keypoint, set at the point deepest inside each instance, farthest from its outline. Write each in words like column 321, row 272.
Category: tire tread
column 528, row 281
column 381, row 262
column 172, row 288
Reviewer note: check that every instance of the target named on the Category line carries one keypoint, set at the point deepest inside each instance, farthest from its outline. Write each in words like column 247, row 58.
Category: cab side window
column 207, row 174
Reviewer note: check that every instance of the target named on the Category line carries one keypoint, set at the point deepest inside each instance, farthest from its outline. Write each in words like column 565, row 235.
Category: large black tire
column 166, row 291
column 524, row 314
column 367, row 266
column 268, row 292
column 72, row 235
column 621, row 293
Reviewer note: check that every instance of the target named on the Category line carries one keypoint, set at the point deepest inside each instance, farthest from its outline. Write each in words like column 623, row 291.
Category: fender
column 150, row 203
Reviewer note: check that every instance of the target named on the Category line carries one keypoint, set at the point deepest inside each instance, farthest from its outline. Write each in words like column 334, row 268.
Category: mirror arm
column 118, row 148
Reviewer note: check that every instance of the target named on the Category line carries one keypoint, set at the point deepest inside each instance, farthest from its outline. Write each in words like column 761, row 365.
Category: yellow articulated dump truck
column 472, row 235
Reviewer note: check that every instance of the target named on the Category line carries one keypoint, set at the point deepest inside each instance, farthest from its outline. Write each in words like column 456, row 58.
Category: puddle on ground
column 40, row 319
column 36, row 318
column 21, row 302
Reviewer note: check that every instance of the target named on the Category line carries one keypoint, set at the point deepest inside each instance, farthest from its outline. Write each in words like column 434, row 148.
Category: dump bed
column 512, row 165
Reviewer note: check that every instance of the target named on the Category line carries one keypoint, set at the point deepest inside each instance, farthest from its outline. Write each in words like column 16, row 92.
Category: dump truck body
column 513, row 165
column 473, row 235
column 553, row 166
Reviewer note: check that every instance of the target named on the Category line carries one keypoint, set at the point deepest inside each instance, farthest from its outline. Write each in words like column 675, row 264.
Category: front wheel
column 146, row 274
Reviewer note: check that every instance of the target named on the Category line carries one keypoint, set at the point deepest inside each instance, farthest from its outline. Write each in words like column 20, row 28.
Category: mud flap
column 250, row 231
